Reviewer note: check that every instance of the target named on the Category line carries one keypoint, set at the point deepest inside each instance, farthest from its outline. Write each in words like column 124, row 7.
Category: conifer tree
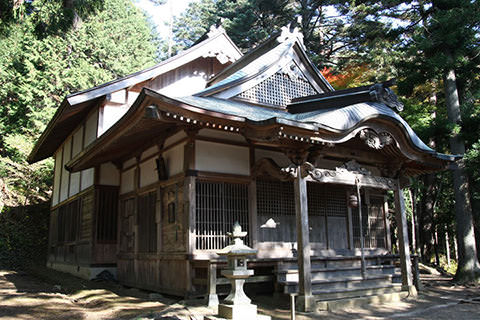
column 53, row 49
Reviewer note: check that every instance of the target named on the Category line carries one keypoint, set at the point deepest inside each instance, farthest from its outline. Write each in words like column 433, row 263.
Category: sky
column 161, row 14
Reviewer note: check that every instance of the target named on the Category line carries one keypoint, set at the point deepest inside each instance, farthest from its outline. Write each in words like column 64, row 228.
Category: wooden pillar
column 363, row 267
column 388, row 236
column 190, row 210
column 252, row 213
column 212, row 297
column 305, row 301
column 403, row 245
column 351, row 245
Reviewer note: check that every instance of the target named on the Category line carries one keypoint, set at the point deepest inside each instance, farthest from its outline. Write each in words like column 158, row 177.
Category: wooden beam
column 305, row 301
column 348, row 178
column 404, row 248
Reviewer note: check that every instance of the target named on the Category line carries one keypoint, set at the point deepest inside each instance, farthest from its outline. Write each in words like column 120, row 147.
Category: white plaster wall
column 130, row 162
column 74, row 183
column 132, row 96
column 67, row 148
column 91, row 128
column 279, row 157
column 88, row 176
column 127, row 181
column 219, row 134
column 111, row 114
column 109, row 174
column 77, row 144
column 148, row 172
column 118, row 96
column 56, row 176
column 174, row 159
column 186, row 86
column 222, row 158
column 149, row 152
column 176, row 137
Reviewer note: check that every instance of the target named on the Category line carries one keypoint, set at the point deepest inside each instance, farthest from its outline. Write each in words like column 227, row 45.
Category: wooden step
column 334, row 273
column 356, row 282
column 341, row 304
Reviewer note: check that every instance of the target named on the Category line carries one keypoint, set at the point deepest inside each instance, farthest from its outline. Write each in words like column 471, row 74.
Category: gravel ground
column 46, row 294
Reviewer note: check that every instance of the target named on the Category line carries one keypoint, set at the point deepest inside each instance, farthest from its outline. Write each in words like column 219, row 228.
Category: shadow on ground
column 46, row 294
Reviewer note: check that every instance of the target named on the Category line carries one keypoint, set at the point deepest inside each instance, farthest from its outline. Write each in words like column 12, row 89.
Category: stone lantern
column 237, row 305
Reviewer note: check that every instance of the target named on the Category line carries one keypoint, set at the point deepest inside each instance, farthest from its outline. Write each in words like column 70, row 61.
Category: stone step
column 330, row 273
column 356, row 282
column 341, row 304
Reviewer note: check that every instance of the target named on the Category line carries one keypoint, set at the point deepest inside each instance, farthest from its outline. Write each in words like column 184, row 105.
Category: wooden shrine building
column 153, row 169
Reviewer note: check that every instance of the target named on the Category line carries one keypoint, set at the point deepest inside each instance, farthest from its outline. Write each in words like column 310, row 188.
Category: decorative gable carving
column 280, row 88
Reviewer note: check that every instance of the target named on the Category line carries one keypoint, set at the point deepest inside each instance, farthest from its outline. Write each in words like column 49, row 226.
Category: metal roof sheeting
column 334, row 119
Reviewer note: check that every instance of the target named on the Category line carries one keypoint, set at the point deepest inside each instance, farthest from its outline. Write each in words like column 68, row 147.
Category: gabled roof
column 335, row 125
column 282, row 52
column 76, row 106
column 327, row 118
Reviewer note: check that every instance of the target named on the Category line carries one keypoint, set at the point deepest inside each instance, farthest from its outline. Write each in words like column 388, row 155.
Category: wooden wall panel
column 126, row 271
column 87, row 216
column 173, row 222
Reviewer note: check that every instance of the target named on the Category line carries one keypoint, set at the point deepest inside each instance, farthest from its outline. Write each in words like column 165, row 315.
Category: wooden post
column 212, row 298
column 252, row 212
column 305, row 301
column 363, row 267
column 388, row 236
column 403, row 245
column 190, row 210
column 350, row 229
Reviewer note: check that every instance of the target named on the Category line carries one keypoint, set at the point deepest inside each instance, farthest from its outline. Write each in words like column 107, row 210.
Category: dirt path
column 53, row 295
column 23, row 296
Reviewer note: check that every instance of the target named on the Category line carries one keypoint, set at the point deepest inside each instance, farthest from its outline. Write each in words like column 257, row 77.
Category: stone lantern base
column 234, row 312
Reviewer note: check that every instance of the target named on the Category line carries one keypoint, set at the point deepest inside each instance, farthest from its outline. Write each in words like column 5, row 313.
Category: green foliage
column 24, row 236
column 43, row 57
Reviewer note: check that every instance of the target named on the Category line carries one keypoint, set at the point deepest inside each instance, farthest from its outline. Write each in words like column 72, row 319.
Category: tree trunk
column 76, row 20
column 412, row 203
column 447, row 246
column 468, row 266
column 435, row 244
column 427, row 218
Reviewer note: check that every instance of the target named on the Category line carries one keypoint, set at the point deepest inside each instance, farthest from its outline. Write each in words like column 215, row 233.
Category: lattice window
column 68, row 221
column 276, row 211
column 107, row 212
column 218, row 206
column 376, row 223
column 373, row 223
column 327, row 210
column 278, row 90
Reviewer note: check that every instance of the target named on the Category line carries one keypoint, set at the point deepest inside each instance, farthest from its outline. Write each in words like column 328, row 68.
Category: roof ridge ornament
column 382, row 93
column 216, row 29
column 290, row 33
